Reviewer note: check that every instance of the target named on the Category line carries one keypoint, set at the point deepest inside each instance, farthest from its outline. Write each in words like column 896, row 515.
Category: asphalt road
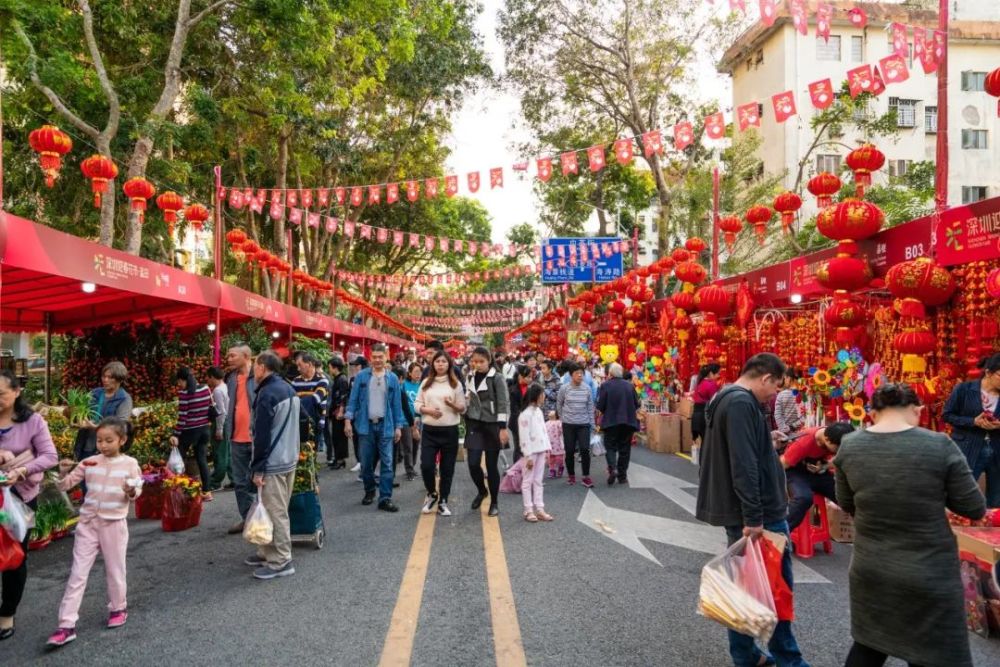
column 583, row 591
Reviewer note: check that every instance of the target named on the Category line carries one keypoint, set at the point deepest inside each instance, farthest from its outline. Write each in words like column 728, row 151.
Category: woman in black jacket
column 518, row 390
column 487, row 409
column 340, row 390
column 973, row 410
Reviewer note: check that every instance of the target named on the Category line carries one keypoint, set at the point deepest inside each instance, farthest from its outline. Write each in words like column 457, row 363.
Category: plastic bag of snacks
column 175, row 463
column 259, row 528
column 735, row 591
column 15, row 517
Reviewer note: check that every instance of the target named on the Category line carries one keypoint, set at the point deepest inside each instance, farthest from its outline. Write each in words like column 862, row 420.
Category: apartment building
column 766, row 60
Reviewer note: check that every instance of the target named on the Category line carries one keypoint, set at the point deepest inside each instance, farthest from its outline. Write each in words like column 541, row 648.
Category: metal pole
column 48, row 358
column 217, row 254
column 941, row 174
column 1, row 141
column 715, row 224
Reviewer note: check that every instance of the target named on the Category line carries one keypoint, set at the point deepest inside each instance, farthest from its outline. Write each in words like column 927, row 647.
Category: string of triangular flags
column 423, row 321
column 491, row 314
column 464, row 299
column 443, row 332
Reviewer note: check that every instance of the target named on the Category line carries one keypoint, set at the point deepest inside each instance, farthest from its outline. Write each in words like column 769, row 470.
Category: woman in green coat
column 906, row 589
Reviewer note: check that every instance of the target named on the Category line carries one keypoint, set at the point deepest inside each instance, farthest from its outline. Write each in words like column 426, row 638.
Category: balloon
column 843, row 356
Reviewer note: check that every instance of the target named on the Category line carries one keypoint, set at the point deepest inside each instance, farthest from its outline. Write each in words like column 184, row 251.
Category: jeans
column 782, row 646
column 988, row 462
column 241, row 454
column 198, row 439
column 577, row 437
column 802, row 484
column 371, row 443
column 221, row 467
column 618, row 449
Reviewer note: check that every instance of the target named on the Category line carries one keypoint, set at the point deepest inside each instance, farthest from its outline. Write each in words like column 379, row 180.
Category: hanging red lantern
column 642, row 272
column 730, row 226
column 863, row 161
column 666, row 264
column 634, row 291
column 100, row 170
column 710, row 330
column 992, row 86
column 713, row 299
column 845, row 314
column 170, row 202
column 759, row 216
column 683, row 301
column 196, row 215
column 617, row 307
column 850, row 220
column 683, row 325
column 51, row 144
column 918, row 283
column 690, row 272
column 586, row 317
column 139, row 190
column 914, row 345
column 844, row 272
column 695, row 245
column 993, row 283
column 633, row 314
column 787, row 203
column 680, row 255
column 823, row 186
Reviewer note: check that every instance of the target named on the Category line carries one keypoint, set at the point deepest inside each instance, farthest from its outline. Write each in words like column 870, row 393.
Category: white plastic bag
column 259, row 528
column 735, row 591
column 597, row 445
column 175, row 463
column 16, row 517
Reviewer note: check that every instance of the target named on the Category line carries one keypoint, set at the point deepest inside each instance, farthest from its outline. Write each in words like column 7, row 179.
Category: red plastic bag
column 149, row 504
column 734, row 591
column 11, row 552
column 180, row 511
column 784, row 601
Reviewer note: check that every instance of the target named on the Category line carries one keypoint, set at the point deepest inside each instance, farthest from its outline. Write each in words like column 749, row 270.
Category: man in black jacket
column 340, row 390
column 742, row 487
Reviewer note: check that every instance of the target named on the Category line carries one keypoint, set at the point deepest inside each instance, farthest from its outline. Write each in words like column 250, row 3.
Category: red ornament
column 730, row 226
column 100, row 170
column 617, row 307
column 196, row 214
column 690, row 272
column 845, row 314
column 844, row 272
column 683, row 301
column 992, row 86
column 170, row 202
column 918, row 283
column 713, row 299
column 759, row 216
column 656, row 350
column 695, row 245
column 915, row 342
column 787, row 203
column 586, row 317
column 51, row 144
column 993, row 283
column 823, row 186
column 138, row 190
column 680, row 255
column 863, row 161
column 850, row 220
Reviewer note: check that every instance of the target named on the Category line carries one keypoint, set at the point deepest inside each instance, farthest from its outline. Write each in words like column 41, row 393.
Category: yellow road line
column 683, row 455
column 506, row 630
column 398, row 648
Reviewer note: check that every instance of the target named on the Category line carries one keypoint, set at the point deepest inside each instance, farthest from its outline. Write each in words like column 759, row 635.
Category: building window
column 974, row 139
column 973, row 193
column 861, row 112
column 930, row 120
column 899, row 167
column 906, row 111
column 830, row 163
column 974, row 81
column 857, row 49
column 829, row 50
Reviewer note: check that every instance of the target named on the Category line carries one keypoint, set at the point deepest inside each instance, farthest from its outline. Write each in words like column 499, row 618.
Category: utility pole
column 941, row 173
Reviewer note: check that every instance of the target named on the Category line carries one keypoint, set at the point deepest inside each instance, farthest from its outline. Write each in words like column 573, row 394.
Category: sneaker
column 410, row 476
column 117, row 619
column 587, row 482
column 552, row 473
column 494, row 511
column 270, row 573
column 61, row 637
column 387, row 505
column 623, row 479
column 429, row 503
column 255, row 561
column 369, row 498
column 207, row 497
column 571, row 480
column 356, row 468
column 543, row 515
column 612, row 477
column 478, row 500
column 530, row 517
column 361, row 479
column 562, row 469
column 236, row 528
column 443, row 509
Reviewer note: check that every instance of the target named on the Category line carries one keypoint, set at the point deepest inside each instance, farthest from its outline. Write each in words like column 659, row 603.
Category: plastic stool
column 806, row 535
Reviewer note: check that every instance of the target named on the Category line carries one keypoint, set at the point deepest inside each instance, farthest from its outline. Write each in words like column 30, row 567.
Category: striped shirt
column 104, row 476
column 313, row 395
column 192, row 409
column 575, row 404
column 787, row 416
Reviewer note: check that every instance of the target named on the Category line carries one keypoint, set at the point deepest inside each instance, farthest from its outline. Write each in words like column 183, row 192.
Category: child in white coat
column 534, row 448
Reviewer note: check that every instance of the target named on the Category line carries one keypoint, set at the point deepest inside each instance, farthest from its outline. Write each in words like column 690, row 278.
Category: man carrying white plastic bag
column 742, row 488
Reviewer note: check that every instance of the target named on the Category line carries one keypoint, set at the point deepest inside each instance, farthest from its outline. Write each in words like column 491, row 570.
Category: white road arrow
column 672, row 488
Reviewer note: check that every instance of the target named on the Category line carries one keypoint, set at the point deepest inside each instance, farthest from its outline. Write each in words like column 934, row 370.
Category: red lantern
column 683, row 301
column 642, row 272
column 730, row 226
column 823, row 186
column 695, row 245
column 918, row 283
column 196, row 214
column 787, row 203
column 170, row 202
column 759, row 216
column 680, row 255
column 683, row 325
column 690, row 272
column 51, row 144
column 710, row 330
column 100, row 170
column 617, row 307
column 992, row 86
column 633, row 313
column 844, row 272
column 845, row 314
column 863, row 161
column 713, row 299
column 586, row 317
column 850, row 220
column 914, row 346
column 993, row 283
column 138, row 190
column 666, row 264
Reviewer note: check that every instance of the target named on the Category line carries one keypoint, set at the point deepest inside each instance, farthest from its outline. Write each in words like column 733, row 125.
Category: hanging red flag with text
column 382, row 235
column 897, row 34
column 878, row 85
column 397, row 239
column 824, row 15
column 767, row 12
column 431, row 188
column 569, row 164
column 894, row 68
column 341, row 194
column 428, row 243
column 324, row 197
column 366, row 231
column 923, row 49
column 623, row 151
column 356, row 196
column 331, row 225
column 496, row 177
column 291, row 198
column 414, row 240
column 784, row 106
column 652, row 142
column 857, row 17
column 821, row 93
column 715, row 125
column 544, row 166
column 595, row 156
column 313, row 220
column 450, row 185
column 859, row 80
column 374, row 194
column 295, row 216
column 473, row 179
column 799, row 18
column 307, row 198
column 748, row 115
column 412, row 190
column 683, row 135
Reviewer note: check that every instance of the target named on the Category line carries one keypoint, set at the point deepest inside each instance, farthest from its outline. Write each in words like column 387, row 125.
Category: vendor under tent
column 55, row 282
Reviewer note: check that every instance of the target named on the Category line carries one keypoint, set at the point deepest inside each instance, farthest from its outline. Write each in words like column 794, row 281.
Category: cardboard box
column 663, row 433
column 982, row 543
column 841, row 524
column 685, row 407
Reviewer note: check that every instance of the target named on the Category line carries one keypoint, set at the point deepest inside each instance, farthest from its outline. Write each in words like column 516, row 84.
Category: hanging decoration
column 863, row 161
column 758, row 216
column 196, row 215
column 170, row 202
column 823, row 186
column 992, row 86
column 731, row 226
column 51, row 144
column 101, row 170
column 917, row 284
column 787, row 204
column 139, row 190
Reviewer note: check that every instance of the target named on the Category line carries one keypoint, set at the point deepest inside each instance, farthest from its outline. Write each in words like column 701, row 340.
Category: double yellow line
column 508, row 646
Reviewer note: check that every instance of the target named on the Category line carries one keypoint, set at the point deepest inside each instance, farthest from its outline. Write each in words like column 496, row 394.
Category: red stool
column 807, row 534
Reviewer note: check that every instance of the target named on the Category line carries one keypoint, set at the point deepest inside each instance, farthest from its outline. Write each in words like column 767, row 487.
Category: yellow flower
column 821, row 378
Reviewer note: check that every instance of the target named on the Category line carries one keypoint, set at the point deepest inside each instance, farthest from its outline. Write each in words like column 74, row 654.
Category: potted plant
column 78, row 407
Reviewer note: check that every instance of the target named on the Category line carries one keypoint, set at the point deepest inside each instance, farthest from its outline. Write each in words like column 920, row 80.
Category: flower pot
column 35, row 545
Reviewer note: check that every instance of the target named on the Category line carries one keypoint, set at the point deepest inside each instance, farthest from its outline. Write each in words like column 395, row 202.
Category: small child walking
column 113, row 480
column 557, row 456
column 534, row 447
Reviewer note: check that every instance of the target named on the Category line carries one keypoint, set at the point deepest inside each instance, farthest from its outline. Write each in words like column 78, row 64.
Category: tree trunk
column 107, row 234
column 284, row 137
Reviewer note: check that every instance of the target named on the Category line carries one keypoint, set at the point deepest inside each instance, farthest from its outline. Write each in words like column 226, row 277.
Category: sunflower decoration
column 855, row 411
column 821, row 379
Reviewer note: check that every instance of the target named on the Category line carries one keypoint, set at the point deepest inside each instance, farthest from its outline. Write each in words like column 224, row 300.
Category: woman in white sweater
column 535, row 446
column 440, row 402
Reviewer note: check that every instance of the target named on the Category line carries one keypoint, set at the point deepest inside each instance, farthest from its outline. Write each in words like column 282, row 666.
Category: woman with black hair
column 973, row 410
column 440, row 403
column 906, row 590
column 706, row 387
column 517, row 389
column 194, row 404
column 26, row 452
column 487, row 409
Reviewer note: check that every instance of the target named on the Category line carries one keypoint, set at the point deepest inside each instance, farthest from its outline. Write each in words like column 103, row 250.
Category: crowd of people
column 761, row 466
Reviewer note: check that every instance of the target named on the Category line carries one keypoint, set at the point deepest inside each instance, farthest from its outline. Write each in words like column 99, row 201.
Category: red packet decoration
column 824, row 14
column 623, row 151
column 878, row 85
column 799, row 19
column 748, row 115
column 544, row 169
column 767, row 12
column 894, row 68
column 652, row 143
column 715, row 126
column 897, row 32
column 858, row 17
column 569, row 163
column 496, row 177
column 859, row 80
column 473, row 179
column 595, row 156
column 374, row 194
column 357, row 196
column 392, row 193
column 683, row 135
column 821, row 93
column 450, row 186
column 412, row 190
column 784, row 106
column 431, row 188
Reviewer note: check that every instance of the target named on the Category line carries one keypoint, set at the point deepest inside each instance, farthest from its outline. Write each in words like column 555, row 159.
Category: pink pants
column 95, row 535
column 531, row 482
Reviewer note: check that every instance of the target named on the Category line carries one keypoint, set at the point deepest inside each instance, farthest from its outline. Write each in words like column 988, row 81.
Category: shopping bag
column 772, row 548
column 176, row 462
column 597, row 445
column 259, row 528
column 15, row 517
column 735, row 591
column 11, row 552
column 180, row 511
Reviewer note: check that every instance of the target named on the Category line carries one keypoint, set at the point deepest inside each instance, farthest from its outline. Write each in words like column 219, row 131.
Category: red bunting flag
column 450, row 185
column 341, row 194
column 324, row 197
column 443, row 244
column 858, row 17
column 331, row 225
column 824, row 15
column 940, row 38
column 652, row 143
column 799, row 18
column 894, row 68
column 366, row 231
column 428, row 243
column 748, row 115
column 349, row 229
column 397, row 239
column 313, row 220
column 431, row 188
column 878, row 85
column 767, row 12
column 859, row 80
column 412, row 190
column 392, row 193
column 544, row 166
column 595, row 156
column 307, row 198
column 473, row 180
column 414, row 240
column 291, row 197
column 738, row 4
column 457, row 245
column 496, row 177
column 821, row 93
column 374, row 194
column 356, row 196
column 623, row 151
column 715, row 125
column 382, row 235
column 900, row 45
column 277, row 210
column 295, row 216
column 683, row 135
column 473, row 248
column 784, row 106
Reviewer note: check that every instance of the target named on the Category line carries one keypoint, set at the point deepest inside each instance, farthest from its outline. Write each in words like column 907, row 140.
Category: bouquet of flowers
column 305, row 470
column 182, row 503
column 149, row 504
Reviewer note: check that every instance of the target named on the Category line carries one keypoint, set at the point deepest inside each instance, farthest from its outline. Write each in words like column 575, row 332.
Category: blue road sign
column 596, row 267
